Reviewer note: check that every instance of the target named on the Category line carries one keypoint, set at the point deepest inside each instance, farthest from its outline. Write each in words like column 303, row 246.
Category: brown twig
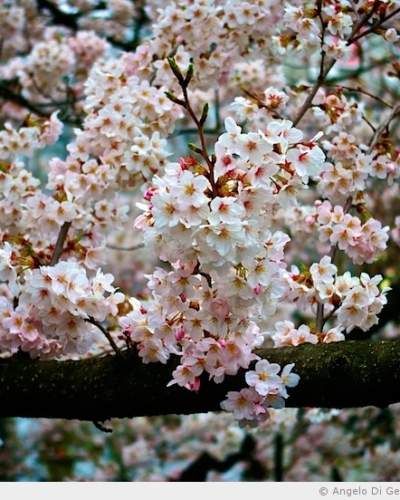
column 58, row 250
column 184, row 84
column 381, row 129
column 361, row 91
column 377, row 25
column 106, row 333
column 126, row 249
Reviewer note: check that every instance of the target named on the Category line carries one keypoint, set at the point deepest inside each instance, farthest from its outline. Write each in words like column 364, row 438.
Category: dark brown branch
column 374, row 27
column 8, row 95
column 59, row 248
column 340, row 375
column 198, row 470
column 69, row 20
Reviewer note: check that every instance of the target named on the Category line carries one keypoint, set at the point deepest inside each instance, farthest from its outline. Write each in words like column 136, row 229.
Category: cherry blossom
column 257, row 195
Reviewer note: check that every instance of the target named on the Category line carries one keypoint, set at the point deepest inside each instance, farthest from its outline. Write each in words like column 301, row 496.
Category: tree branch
column 10, row 96
column 337, row 375
column 59, row 248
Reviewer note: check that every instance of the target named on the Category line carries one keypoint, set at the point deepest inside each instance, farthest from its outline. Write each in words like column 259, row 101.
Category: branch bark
column 339, row 375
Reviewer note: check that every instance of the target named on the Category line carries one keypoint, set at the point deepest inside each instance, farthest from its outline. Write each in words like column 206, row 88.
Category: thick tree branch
column 341, row 375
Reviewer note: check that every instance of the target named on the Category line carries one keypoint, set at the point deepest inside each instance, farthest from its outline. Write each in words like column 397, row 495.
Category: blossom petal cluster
column 361, row 242
column 354, row 302
column 54, row 306
column 266, row 389
column 213, row 224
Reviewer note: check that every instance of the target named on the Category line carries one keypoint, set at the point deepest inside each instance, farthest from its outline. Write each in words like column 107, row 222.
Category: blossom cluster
column 361, row 242
column 306, row 31
column 55, row 68
column 335, row 112
column 352, row 168
column 213, row 224
column 54, row 305
column 125, row 124
column 353, row 301
column 266, row 389
column 22, row 142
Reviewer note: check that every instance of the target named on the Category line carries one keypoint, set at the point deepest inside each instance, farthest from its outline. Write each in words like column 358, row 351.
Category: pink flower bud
column 179, row 334
column 149, row 193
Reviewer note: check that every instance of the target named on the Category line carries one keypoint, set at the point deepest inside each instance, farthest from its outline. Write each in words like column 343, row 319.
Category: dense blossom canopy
column 247, row 154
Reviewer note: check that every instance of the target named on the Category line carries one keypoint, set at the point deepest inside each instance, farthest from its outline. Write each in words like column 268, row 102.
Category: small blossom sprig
column 267, row 389
column 353, row 301
column 362, row 242
column 184, row 82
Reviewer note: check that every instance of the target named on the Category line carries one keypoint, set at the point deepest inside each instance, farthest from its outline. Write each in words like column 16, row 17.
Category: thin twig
column 58, row 250
column 106, row 334
column 9, row 95
column 126, row 249
column 361, row 91
column 262, row 104
column 200, row 127
column 320, row 80
column 207, row 131
column 381, row 129
column 378, row 24
column 346, row 74
column 354, row 6
column 368, row 122
column 362, row 20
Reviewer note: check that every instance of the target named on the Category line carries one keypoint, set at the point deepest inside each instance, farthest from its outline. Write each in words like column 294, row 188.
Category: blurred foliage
column 294, row 445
